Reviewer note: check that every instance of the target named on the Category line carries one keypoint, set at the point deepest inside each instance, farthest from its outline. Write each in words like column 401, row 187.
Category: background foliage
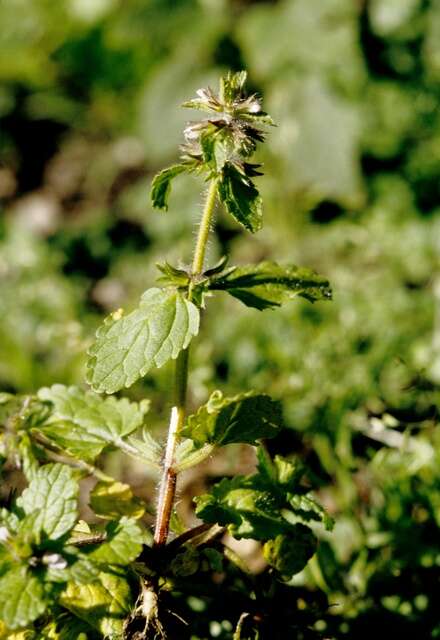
column 87, row 116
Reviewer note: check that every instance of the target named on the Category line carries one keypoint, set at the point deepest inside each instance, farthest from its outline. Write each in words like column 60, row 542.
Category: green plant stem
column 167, row 489
column 204, row 229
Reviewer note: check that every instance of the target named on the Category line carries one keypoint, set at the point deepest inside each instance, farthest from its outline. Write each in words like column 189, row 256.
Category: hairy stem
column 204, row 229
column 167, row 489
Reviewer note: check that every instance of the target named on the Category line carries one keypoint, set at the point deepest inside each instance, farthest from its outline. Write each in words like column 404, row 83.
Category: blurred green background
column 89, row 111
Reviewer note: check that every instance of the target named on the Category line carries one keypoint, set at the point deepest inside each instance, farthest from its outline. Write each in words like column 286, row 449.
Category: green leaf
column 103, row 604
column 269, row 284
column 232, row 85
column 148, row 450
column 244, row 418
column 240, row 197
column 28, row 455
column 83, row 423
column 290, row 553
column 67, row 627
column 123, row 543
column 186, row 562
column 246, row 511
column 264, row 505
column 161, row 186
column 52, row 496
column 22, row 598
column 215, row 559
column 71, row 565
column 189, row 455
column 307, row 510
column 128, row 346
column 112, row 500
column 171, row 276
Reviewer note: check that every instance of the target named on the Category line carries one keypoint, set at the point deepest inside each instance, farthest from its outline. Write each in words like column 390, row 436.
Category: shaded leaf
column 244, row 418
column 186, row 562
column 126, row 347
column 161, row 186
column 52, row 498
column 22, row 598
column 240, row 197
column 115, row 499
column 289, row 553
column 83, row 423
column 269, row 284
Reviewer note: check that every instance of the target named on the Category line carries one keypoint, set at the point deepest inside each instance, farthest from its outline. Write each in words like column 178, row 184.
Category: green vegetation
column 88, row 116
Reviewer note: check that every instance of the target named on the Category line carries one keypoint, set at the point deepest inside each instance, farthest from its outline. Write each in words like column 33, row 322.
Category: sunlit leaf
column 245, row 418
column 22, row 598
column 116, row 499
column 103, row 604
column 52, row 498
column 126, row 347
column 83, row 423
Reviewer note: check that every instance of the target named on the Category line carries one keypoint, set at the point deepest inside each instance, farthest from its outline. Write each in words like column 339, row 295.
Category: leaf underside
column 240, row 198
column 161, row 185
column 268, row 284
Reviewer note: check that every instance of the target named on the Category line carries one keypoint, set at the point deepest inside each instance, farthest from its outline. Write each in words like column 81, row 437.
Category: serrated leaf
column 83, row 423
column 127, row 347
column 240, row 198
column 123, row 543
column 52, row 495
column 279, row 473
column 269, row 284
column 161, row 185
column 246, row 511
column 290, row 553
column 245, row 418
column 306, row 510
column 112, row 500
column 22, row 598
column 103, row 604
column 263, row 505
